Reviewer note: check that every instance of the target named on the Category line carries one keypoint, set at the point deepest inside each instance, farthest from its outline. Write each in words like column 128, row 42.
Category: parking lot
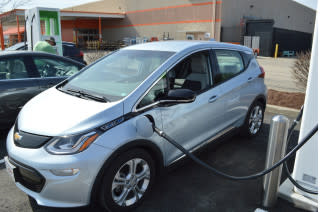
column 186, row 187
column 279, row 74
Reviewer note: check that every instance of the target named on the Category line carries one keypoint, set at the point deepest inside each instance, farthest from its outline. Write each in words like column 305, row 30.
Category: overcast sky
column 50, row 3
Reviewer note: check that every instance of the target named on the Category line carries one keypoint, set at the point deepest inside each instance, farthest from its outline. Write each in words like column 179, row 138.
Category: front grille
column 27, row 176
column 28, row 140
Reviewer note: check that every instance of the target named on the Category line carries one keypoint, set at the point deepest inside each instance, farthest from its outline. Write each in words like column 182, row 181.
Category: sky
column 309, row 3
column 49, row 3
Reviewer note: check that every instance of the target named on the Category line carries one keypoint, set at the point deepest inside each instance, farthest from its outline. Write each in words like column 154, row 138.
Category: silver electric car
column 78, row 141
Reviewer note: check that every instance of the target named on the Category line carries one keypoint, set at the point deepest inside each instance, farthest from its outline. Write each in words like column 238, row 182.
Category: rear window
column 246, row 58
column 230, row 63
column 70, row 50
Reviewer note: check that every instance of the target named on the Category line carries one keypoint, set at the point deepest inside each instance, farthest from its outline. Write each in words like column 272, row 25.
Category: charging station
column 306, row 164
column 42, row 24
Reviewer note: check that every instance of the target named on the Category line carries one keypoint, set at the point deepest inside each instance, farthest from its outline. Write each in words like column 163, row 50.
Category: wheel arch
column 144, row 144
column 262, row 99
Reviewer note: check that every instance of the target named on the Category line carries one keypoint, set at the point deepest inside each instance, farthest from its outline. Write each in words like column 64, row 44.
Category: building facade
column 284, row 22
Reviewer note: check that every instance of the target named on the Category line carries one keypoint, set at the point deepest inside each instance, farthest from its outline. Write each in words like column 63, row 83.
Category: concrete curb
column 290, row 112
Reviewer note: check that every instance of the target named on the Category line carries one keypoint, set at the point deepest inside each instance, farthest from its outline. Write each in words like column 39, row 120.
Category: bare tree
column 300, row 68
column 7, row 5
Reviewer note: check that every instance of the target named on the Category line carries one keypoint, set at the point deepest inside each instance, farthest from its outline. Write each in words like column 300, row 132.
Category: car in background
column 69, row 50
column 24, row 74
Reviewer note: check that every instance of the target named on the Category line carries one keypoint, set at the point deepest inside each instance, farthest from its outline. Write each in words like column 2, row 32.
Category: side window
column 48, row 67
column 194, row 73
column 157, row 91
column 230, row 64
column 13, row 68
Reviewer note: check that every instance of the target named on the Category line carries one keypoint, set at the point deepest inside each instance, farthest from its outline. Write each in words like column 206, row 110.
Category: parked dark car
column 24, row 74
column 69, row 50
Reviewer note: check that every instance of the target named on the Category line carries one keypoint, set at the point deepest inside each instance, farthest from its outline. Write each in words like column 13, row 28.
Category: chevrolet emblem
column 17, row 136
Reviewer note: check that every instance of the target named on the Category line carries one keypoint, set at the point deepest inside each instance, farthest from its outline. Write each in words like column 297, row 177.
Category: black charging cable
column 227, row 176
column 286, row 169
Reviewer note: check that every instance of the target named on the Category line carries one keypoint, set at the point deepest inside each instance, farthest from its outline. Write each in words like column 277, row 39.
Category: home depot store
column 115, row 20
column 76, row 26
column 284, row 22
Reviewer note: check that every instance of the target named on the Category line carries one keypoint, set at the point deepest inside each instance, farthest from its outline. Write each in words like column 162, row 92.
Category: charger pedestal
column 305, row 170
column 286, row 191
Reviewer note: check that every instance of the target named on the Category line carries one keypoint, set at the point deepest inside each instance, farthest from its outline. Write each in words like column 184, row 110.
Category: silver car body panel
column 54, row 113
column 61, row 191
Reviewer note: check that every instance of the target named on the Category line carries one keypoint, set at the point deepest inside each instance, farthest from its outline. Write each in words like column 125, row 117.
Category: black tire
column 119, row 166
column 245, row 129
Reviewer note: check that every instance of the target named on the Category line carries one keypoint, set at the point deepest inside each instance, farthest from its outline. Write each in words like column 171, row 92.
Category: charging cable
column 227, row 176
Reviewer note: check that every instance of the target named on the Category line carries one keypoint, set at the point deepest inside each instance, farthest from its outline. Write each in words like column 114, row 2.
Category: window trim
column 218, row 68
column 165, row 73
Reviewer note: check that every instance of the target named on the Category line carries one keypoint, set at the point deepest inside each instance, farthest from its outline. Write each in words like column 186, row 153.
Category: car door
column 190, row 124
column 236, row 89
column 53, row 70
column 18, row 84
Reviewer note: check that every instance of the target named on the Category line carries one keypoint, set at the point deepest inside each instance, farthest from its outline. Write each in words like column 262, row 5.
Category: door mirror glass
column 179, row 96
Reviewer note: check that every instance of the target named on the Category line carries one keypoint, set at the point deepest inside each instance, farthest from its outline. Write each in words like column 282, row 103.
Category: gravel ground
column 278, row 74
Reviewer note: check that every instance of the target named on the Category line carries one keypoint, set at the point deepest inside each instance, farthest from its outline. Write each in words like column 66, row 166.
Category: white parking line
column 1, row 161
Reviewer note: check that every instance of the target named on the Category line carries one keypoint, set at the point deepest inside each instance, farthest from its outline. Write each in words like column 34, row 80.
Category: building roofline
column 65, row 13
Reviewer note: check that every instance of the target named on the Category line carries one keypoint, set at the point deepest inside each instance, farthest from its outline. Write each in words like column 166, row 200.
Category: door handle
column 250, row 79
column 213, row 98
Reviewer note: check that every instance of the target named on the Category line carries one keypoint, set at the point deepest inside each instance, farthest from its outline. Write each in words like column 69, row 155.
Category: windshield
column 118, row 74
column 17, row 46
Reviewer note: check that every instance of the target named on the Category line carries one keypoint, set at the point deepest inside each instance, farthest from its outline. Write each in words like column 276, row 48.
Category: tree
column 8, row 5
column 300, row 68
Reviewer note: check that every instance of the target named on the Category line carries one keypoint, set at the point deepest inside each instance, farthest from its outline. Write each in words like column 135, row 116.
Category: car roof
column 23, row 52
column 177, row 46
column 34, row 53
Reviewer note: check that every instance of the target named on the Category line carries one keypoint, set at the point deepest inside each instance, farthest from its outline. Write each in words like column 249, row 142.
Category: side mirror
column 179, row 96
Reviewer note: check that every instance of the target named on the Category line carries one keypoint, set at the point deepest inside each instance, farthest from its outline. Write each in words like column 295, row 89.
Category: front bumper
column 59, row 191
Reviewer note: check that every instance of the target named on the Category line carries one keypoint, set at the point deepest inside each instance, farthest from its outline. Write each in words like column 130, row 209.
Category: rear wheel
column 254, row 120
column 127, row 181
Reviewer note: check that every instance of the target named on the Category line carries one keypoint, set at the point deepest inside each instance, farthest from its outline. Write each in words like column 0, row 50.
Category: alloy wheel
column 255, row 119
column 130, row 182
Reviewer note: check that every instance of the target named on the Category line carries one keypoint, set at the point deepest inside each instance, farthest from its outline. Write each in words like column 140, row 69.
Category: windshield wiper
column 80, row 93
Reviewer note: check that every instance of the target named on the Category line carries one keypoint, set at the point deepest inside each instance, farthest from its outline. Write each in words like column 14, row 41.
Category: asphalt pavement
column 187, row 187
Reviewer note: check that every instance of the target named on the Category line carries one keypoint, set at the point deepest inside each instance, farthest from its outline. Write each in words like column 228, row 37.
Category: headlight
column 71, row 144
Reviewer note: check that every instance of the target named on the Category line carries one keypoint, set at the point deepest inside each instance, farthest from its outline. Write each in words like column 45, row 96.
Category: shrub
column 300, row 68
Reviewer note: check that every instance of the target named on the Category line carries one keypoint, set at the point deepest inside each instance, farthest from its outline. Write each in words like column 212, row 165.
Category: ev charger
column 305, row 170
column 42, row 24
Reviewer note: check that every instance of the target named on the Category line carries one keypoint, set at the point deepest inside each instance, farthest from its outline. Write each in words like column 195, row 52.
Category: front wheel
column 127, row 181
column 254, row 120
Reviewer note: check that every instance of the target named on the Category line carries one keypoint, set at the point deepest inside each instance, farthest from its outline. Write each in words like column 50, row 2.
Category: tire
column 122, row 190
column 254, row 120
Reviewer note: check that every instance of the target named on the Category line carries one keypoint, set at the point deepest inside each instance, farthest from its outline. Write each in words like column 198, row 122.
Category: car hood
column 54, row 113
